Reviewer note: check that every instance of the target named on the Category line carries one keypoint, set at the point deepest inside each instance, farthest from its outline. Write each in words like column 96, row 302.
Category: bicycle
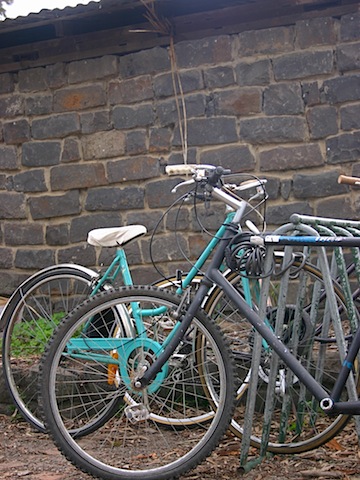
column 39, row 303
column 277, row 353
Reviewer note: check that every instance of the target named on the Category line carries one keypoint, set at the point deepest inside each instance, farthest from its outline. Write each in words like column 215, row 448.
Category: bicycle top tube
column 307, row 240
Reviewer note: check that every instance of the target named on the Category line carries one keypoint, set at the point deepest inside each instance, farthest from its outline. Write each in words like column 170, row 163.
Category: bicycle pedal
column 136, row 413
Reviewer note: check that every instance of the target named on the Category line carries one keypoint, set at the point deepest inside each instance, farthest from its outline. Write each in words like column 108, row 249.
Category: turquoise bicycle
column 38, row 305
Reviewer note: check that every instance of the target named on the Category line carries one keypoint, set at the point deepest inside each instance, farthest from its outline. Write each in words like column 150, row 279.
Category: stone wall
column 84, row 143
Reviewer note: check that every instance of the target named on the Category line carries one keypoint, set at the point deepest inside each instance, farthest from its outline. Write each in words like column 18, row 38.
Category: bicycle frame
column 213, row 275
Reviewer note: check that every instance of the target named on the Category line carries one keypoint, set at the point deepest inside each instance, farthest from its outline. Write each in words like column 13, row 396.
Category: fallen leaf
column 335, row 445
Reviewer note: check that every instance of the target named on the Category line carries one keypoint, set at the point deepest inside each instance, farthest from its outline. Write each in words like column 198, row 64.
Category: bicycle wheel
column 133, row 444
column 297, row 423
column 30, row 317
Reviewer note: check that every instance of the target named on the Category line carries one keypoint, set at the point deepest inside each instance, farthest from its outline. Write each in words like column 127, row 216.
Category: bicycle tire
column 143, row 449
column 29, row 317
column 22, row 384
column 304, row 437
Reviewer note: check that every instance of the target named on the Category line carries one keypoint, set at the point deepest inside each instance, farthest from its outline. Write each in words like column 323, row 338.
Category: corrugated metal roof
column 44, row 10
column 47, row 14
column 181, row 7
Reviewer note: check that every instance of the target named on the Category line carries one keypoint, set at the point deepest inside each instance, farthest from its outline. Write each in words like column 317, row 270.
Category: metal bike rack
column 330, row 266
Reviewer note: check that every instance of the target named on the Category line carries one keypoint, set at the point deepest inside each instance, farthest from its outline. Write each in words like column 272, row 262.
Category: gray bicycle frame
column 213, row 275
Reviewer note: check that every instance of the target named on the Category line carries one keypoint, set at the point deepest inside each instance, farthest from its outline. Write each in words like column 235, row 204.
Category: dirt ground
column 26, row 454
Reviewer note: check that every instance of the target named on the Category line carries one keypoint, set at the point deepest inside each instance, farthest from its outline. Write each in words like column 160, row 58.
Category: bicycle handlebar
column 210, row 173
column 349, row 180
column 187, row 169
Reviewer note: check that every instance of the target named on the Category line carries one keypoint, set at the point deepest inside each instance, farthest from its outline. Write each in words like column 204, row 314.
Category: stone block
column 283, row 99
column 71, row 150
column 210, row 217
column 316, row 31
column 317, row 185
column 178, row 220
column 285, row 189
column 350, row 27
column 210, row 131
column 144, row 62
column 210, row 50
column 253, row 73
column 350, row 117
column 348, row 57
column 92, row 122
column 12, row 205
column 149, row 219
column 57, row 235
column 80, row 98
column 165, row 248
column 7, row 84
column 68, row 177
column 356, row 169
column 158, row 193
column 338, row 207
column 103, row 145
column 132, row 90
column 16, row 132
column 6, row 258
column 160, row 139
column 52, row 206
column 343, row 148
column 280, row 214
column 107, row 199
column 237, row 158
column 219, row 77
column 177, row 157
column 322, row 121
column 40, row 154
column 81, row 255
column 9, row 281
column 27, row 259
column 136, row 142
column 81, row 226
column 341, row 89
column 268, row 41
column 133, row 117
column 93, row 69
column 273, row 130
column 133, row 169
column 56, row 126
column 167, row 113
column 191, row 80
column 310, row 93
column 8, row 158
column 41, row 104
column 12, row 106
column 56, row 75
column 303, row 64
column 239, row 102
column 30, row 181
column 291, row 158
column 32, row 80
column 23, row 234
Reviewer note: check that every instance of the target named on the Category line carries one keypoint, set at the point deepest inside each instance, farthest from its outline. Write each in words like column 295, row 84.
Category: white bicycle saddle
column 115, row 236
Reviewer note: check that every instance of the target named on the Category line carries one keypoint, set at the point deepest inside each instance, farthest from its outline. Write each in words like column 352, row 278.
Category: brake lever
column 187, row 182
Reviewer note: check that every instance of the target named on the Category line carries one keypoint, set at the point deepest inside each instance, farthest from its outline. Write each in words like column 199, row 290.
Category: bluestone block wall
column 84, row 144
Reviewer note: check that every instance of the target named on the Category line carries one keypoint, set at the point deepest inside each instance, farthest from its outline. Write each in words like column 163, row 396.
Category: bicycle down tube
column 328, row 404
